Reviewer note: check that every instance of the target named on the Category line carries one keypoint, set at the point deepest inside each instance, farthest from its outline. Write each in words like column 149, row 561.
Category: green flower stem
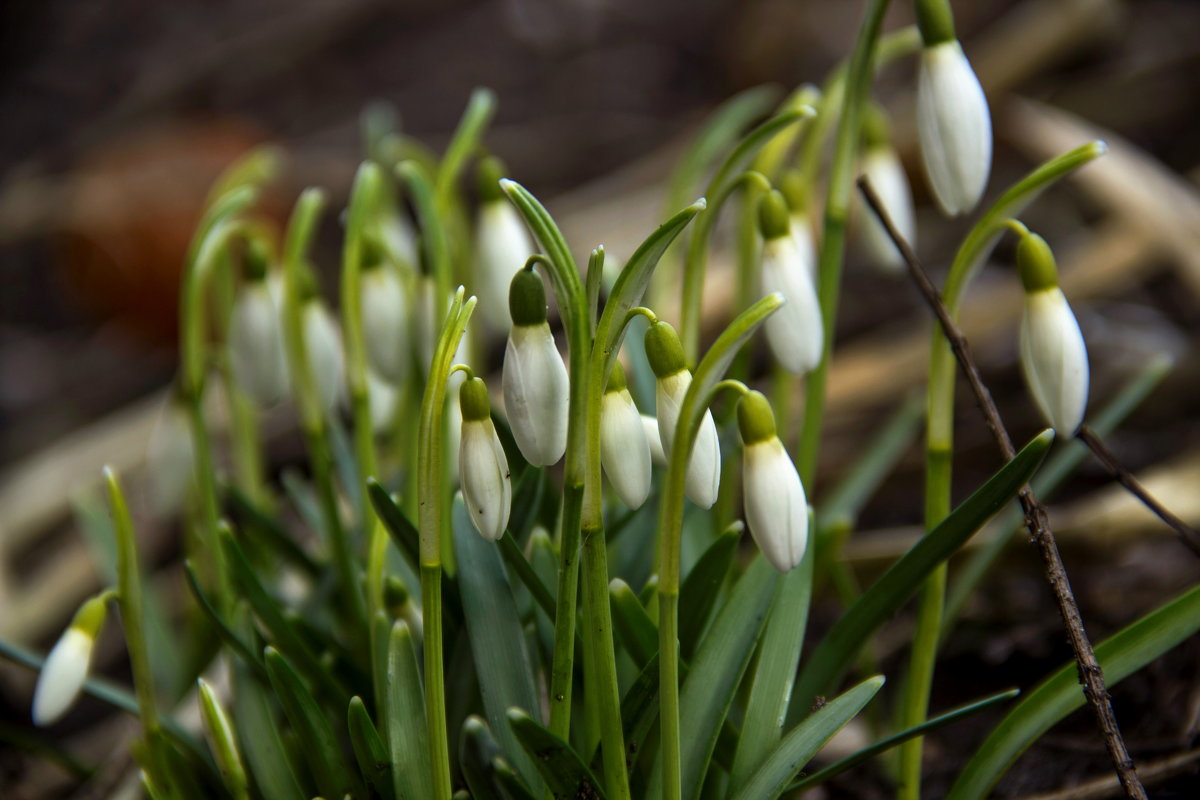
column 939, row 442
column 467, row 136
column 434, row 240
column 936, row 21
column 705, row 384
column 432, row 524
column 719, row 189
column 833, row 240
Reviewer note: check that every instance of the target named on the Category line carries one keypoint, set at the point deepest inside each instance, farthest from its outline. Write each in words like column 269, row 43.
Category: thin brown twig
column 1124, row 477
column 1108, row 786
column 1036, row 519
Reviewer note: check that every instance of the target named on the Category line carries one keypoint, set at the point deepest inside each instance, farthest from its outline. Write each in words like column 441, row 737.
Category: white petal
column 886, row 173
column 794, row 331
column 535, row 394
column 486, row 486
column 385, row 323
column 452, row 417
column 801, row 232
column 400, row 239
column 502, row 246
column 324, row 343
column 383, row 399
column 62, row 676
column 658, row 456
column 256, row 353
column 775, row 505
column 1054, row 359
column 170, row 459
column 704, row 468
column 954, row 126
column 624, row 451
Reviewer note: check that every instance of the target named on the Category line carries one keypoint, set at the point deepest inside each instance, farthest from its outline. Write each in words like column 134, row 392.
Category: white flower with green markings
column 66, row 667
column 502, row 245
column 773, row 496
column 482, row 465
column 624, row 451
column 256, row 353
column 883, row 169
column 323, row 341
column 794, row 332
column 385, row 321
column 535, row 379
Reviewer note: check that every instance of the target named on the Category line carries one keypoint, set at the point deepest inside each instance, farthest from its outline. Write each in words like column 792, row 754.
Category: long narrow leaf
column 404, row 725
column 566, row 775
column 702, row 587
column 369, row 750
column 635, row 630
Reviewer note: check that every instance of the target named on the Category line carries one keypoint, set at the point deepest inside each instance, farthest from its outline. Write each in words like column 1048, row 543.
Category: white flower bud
column 385, row 323
column 502, row 245
column 256, row 354
column 399, row 239
column 801, row 231
column 1054, row 359
column 535, row 393
column 384, row 399
column 66, row 667
column 794, row 332
column 886, row 174
column 773, row 496
column 954, row 127
column 624, row 451
column 170, row 459
column 658, row 456
column 704, row 469
column 323, row 341
column 483, row 467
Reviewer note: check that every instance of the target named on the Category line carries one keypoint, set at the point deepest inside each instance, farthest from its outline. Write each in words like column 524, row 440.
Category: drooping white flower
column 384, row 399
column 794, row 332
column 399, row 239
column 323, row 341
column 773, row 496
column 801, row 231
column 170, row 458
column 665, row 354
column 385, row 323
column 66, row 667
column 535, row 378
column 954, row 127
column 1053, row 355
column 658, row 456
column 502, row 246
column 624, row 451
column 482, row 465
column 882, row 167
column 256, row 353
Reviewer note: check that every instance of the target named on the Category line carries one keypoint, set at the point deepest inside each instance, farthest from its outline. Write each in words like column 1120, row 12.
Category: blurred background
column 117, row 116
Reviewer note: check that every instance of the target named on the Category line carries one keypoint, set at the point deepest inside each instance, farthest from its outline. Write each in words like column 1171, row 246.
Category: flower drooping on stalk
column 535, row 378
column 482, row 465
column 665, row 354
column 953, row 122
column 1053, row 356
column 773, row 497
column 800, row 224
column 323, row 341
column 502, row 245
column 794, row 332
column 881, row 165
column 385, row 320
column 66, row 667
column 256, row 353
column 624, row 451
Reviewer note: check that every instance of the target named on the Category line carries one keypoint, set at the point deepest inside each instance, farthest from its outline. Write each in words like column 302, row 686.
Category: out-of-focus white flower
column 384, row 398
column 624, row 451
column 66, row 666
column 256, row 354
column 665, row 354
column 326, row 360
column 774, row 501
column 385, row 323
column 502, row 246
column 483, row 467
column 886, row 174
column 954, row 127
column 1053, row 355
column 170, row 458
column 399, row 239
column 535, row 378
column 794, row 332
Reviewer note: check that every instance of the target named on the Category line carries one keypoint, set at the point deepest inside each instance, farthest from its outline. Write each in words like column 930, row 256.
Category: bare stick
column 1036, row 519
column 1124, row 477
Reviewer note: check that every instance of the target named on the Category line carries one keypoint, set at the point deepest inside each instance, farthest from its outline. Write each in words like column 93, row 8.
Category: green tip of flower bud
column 473, row 400
column 756, row 420
column 1035, row 263
column 664, row 351
column 773, row 215
column 374, row 251
column 90, row 616
column 877, row 131
column 527, row 298
column 395, row 594
column 616, row 378
column 306, row 285
column 795, row 190
column 258, row 259
column 491, row 171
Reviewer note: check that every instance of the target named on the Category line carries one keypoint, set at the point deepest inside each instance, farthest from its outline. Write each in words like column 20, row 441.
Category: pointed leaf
column 636, row 631
column 566, row 775
column 369, row 750
column 702, row 587
column 404, row 725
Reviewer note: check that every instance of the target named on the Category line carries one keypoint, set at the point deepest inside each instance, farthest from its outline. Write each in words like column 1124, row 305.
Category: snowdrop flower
column 665, row 353
column 883, row 169
column 535, row 378
column 385, row 322
column 256, row 354
column 323, row 342
column 624, row 451
column 953, row 125
column 66, row 667
column 654, row 440
column 502, row 246
column 800, row 226
column 1053, row 355
column 384, row 399
column 794, row 332
column 170, row 458
column 775, row 505
column 399, row 238
column 482, row 466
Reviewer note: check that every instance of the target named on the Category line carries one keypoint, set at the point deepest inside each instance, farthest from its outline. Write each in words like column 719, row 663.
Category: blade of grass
column 702, row 587
column 567, row 777
column 369, row 750
column 404, row 723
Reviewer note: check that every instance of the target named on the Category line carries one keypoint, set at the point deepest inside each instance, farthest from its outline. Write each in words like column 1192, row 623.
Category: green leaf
column 497, row 638
column 883, row 745
column 369, row 750
column 404, row 721
column 716, row 672
column 466, row 140
column 333, row 775
column 566, row 775
column 267, row 529
column 516, row 561
column 803, row 742
column 227, row 634
column 636, row 631
column 404, row 534
column 889, row 593
column 702, row 587
column 476, row 751
column 1120, row 655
